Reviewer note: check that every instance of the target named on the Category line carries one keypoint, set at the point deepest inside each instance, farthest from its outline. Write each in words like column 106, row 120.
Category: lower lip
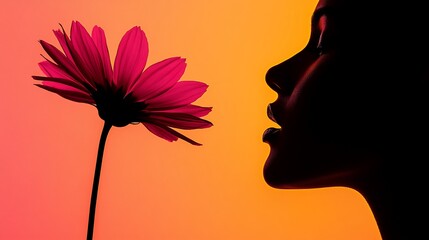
column 269, row 133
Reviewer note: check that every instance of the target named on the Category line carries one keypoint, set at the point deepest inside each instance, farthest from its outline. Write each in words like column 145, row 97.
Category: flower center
column 113, row 108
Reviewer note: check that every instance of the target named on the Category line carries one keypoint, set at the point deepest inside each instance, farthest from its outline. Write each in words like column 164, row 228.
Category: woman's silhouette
column 352, row 107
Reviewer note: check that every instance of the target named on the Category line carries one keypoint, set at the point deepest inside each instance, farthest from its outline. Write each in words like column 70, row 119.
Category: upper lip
column 270, row 113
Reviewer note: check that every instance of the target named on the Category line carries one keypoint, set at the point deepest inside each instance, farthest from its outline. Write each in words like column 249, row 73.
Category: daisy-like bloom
column 127, row 93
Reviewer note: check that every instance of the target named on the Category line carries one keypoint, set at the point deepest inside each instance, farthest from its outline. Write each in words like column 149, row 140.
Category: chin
column 272, row 172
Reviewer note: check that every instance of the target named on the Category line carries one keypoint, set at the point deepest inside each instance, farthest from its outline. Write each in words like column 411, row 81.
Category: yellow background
column 150, row 188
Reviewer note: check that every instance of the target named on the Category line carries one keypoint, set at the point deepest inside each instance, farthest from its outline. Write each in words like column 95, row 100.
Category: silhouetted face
column 325, row 102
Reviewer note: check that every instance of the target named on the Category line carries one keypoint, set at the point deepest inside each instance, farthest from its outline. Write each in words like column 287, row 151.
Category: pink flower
column 127, row 93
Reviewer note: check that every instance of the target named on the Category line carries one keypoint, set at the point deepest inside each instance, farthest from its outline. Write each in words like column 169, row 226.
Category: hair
column 401, row 71
column 390, row 42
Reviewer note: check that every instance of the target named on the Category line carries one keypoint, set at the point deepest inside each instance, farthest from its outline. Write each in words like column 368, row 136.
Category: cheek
column 309, row 86
column 319, row 99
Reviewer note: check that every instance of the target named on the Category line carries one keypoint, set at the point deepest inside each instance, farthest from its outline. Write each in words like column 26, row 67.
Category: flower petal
column 100, row 41
column 59, row 58
column 63, row 39
column 168, row 133
column 67, row 82
column 66, row 64
column 54, row 71
column 194, row 110
column 183, row 93
column 160, row 132
column 87, row 58
column 158, row 78
column 175, row 120
column 67, row 92
column 131, row 57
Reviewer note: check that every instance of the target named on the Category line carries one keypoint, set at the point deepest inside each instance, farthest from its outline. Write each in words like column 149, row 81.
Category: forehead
column 345, row 12
column 331, row 3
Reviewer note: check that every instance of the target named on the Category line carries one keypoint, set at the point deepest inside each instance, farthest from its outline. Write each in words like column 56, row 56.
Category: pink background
column 150, row 188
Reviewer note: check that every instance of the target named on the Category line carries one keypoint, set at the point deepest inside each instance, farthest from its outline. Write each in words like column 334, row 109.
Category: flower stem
column 94, row 194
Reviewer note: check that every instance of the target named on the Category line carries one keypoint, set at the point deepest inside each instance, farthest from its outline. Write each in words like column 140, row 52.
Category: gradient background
column 150, row 188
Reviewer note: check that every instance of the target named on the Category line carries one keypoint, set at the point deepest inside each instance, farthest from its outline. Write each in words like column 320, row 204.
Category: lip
column 270, row 113
column 269, row 134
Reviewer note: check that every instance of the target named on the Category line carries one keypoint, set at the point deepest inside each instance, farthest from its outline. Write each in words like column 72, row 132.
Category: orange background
column 150, row 188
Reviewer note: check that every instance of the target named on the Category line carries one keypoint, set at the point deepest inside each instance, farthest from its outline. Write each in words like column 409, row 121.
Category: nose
column 276, row 78
column 283, row 77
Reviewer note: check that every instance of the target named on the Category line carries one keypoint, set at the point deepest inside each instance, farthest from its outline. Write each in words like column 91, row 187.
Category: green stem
column 95, row 184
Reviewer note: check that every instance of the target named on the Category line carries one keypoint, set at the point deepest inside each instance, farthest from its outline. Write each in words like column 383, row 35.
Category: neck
column 398, row 203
